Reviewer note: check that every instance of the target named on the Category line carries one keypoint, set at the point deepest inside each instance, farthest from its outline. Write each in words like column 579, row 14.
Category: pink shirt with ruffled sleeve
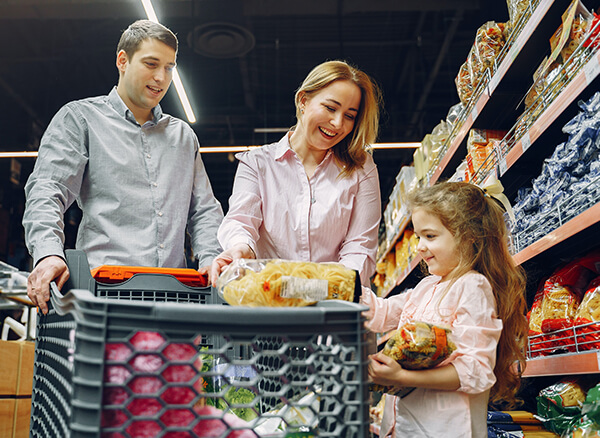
column 468, row 308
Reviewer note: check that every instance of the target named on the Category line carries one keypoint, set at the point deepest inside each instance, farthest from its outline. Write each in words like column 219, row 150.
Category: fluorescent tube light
column 406, row 145
column 187, row 108
column 23, row 154
column 149, row 10
column 269, row 130
column 224, row 149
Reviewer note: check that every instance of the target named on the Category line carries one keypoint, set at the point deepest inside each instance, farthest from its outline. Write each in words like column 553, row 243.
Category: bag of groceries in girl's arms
column 284, row 283
column 416, row 345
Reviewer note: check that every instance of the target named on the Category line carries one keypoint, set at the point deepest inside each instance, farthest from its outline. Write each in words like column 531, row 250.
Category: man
column 134, row 171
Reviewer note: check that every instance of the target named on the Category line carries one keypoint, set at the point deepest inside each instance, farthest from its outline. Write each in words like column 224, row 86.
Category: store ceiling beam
column 117, row 9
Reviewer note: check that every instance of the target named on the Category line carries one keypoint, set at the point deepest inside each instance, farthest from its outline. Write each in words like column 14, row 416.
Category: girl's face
column 329, row 115
column 437, row 245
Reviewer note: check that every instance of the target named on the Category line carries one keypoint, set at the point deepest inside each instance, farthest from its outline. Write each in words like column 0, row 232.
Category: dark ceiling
column 54, row 51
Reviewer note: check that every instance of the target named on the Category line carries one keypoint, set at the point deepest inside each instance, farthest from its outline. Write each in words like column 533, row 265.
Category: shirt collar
column 117, row 103
column 284, row 147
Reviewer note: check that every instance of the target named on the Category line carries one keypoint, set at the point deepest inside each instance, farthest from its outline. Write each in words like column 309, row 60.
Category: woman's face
column 329, row 115
column 437, row 245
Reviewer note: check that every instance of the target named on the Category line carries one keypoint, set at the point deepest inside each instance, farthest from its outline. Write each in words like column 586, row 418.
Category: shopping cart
column 153, row 357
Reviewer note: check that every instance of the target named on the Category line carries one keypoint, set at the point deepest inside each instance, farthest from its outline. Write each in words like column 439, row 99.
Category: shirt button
column 160, row 213
column 148, row 156
column 155, row 184
column 162, row 245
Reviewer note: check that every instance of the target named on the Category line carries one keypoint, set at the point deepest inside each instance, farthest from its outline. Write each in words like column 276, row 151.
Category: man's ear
column 122, row 61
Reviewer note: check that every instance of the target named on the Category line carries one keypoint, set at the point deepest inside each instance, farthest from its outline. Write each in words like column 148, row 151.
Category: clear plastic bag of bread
column 417, row 345
column 286, row 283
column 488, row 43
column 559, row 405
column 516, row 9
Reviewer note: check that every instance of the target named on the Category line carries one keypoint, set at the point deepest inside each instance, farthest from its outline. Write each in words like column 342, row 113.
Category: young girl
column 477, row 291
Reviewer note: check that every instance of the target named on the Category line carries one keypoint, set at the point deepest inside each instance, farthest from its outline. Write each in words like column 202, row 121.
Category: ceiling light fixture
column 226, row 149
column 23, row 154
column 187, row 108
column 269, row 130
column 405, row 145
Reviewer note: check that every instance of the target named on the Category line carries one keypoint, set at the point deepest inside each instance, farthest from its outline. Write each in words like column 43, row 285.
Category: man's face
column 145, row 78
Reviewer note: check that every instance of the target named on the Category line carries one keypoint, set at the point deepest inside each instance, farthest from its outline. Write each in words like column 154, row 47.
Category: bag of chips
column 559, row 405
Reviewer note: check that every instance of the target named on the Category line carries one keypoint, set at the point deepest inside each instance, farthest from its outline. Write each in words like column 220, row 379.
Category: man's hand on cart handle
column 38, row 283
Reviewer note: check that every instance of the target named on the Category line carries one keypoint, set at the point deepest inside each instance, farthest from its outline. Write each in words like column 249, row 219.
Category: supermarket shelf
column 403, row 225
column 567, row 96
column 412, row 264
column 576, row 225
column 565, row 364
column 518, row 61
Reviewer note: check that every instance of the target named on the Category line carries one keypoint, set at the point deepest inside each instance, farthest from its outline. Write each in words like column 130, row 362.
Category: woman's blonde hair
column 351, row 151
column 477, row 223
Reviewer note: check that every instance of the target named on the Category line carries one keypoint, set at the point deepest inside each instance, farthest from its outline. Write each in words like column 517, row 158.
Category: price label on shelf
column 525, row 141
column 591, row 69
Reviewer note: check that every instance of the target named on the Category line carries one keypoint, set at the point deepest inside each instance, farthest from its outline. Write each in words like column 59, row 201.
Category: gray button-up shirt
column 138, row 187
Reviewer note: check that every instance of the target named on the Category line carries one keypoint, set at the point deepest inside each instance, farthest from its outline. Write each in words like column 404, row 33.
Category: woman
column 314, row 195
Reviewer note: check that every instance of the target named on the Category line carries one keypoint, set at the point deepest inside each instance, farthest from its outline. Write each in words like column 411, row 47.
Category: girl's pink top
column 468, row 308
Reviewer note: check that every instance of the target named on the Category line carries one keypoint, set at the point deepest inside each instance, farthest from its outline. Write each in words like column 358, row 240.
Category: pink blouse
column 468, row 308
column 281, row 213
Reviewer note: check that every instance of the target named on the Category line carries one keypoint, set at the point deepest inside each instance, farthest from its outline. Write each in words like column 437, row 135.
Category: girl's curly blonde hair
column 477, row 223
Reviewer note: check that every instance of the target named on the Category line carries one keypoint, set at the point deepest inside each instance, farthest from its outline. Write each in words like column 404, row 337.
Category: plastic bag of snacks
column 588, row 334
column 591, row 406
column 559, row 405
column 416, row 345
column 554, row 308
column 283, row 283
column 516, row 9
column 489, row 41
column 588, row 425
